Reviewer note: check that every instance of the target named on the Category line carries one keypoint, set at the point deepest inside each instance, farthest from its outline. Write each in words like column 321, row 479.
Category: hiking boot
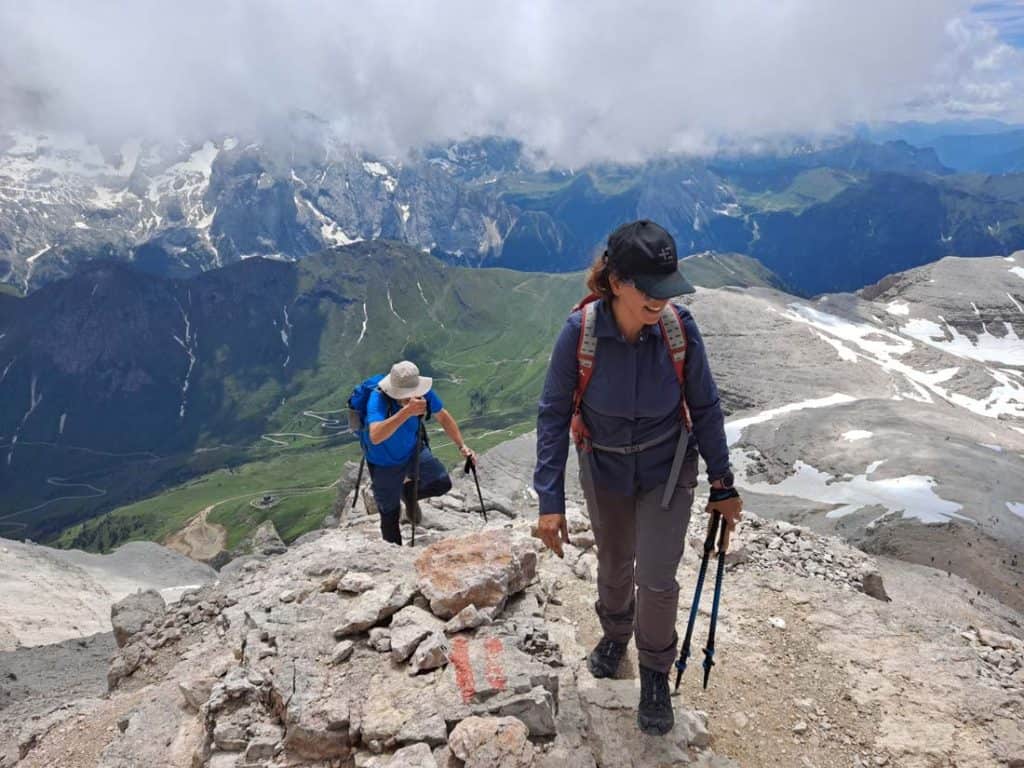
column 606, row 657
column 654, row 715
column 413, row 513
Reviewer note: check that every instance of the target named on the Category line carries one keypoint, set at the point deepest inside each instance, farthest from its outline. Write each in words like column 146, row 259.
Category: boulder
column 482, row 569
column 492, row 742
column 265, row 540
column 873, row 586
column 129, row 615
column 468, row 618
column 413, row 756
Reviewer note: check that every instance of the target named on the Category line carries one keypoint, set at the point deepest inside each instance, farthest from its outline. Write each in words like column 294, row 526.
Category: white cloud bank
column 578, row 80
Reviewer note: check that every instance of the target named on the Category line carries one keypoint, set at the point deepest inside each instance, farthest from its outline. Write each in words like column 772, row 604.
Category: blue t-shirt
column 398, row 448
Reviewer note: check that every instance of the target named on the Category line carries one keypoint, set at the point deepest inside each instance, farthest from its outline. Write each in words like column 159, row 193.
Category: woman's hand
column 553, row 530
column 727, row 502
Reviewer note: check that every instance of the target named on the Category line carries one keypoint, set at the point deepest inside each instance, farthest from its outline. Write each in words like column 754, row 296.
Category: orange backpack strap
column 586, row 354
column 674, row 333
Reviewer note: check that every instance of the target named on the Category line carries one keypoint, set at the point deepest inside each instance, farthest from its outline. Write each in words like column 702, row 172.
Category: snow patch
column 857, row 434
column 899, row 308
column 911, row 495
column 330, row 232
column 35, row 398
column 187, row 344
column 734, row 429
column 376, row 169
column 1008, row 349
column 365, row 321
column 884, row 348
column 992, row 447
column 1018, row 271
column 845, row 353
column 1016, row 508
column 391, row 304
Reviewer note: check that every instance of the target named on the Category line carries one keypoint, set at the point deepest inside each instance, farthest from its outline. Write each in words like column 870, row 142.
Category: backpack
column 672, row 331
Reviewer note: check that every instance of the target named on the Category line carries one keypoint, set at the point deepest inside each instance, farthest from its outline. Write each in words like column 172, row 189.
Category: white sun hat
column 405, row 381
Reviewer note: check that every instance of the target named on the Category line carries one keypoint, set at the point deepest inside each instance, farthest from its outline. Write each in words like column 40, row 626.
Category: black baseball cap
column 645, row 253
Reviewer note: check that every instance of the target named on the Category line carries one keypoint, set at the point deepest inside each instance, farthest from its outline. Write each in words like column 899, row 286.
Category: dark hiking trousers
column 387, row 482
column 639, row 546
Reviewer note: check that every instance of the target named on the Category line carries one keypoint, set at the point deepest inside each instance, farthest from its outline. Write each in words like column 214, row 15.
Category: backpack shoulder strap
column 586, row 355
column 586, row 350
column 674, row 334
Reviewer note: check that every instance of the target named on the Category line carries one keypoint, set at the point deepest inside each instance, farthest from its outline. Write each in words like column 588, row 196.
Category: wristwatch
column 727, row 480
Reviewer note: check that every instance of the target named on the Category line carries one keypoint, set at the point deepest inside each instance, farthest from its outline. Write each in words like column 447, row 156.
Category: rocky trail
column 469, row 650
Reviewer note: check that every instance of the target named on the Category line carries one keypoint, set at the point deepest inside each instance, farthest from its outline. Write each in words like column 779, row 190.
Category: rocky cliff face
column 469, row 649
column 827, row 220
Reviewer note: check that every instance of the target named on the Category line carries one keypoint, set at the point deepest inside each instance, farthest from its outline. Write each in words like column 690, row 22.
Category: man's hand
column 727, row 502
column 553, row 530
column 416, row 406
column 467, row 452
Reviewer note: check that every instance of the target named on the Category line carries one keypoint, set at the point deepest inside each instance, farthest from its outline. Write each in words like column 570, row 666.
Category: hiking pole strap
column 677, row 467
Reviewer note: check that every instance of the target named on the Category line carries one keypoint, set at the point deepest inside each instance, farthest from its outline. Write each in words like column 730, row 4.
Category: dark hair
column 597, row 277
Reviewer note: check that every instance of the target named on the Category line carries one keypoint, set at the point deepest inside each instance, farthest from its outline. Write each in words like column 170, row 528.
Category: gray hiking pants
column 639, row 546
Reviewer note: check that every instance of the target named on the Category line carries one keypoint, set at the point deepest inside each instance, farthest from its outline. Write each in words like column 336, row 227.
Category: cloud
column 1007, row 16
column 576, row 80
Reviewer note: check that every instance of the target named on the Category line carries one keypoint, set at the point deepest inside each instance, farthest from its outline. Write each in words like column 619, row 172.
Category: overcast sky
column 577, row 79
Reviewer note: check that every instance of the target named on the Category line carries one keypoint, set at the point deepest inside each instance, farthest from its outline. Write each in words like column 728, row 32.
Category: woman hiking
column 629, row 378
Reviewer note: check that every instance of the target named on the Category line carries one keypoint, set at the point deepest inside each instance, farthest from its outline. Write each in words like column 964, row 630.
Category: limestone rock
column 356, row 582
column 196, row 691
column 871, row 583
column 492, row 742
column 994, row 639
column 342, row 651
column 372, row 607
column 408, row 628
column 413, row 756
column 431, row 653
column 129, row 615
column 610, row 705
column 481, row 569
column 468, row 618
column 265, row 540
column 380, row 639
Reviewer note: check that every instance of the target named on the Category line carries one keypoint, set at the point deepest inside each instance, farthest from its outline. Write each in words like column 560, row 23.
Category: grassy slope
column 817, row 185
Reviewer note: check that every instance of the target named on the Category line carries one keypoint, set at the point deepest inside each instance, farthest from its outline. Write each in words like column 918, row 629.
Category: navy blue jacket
column 633, row 397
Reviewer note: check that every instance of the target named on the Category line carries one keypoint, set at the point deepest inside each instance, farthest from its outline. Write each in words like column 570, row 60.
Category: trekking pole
column 709, row 544
column 471, row 465
column 414, row 508
column 709, row 652
column 359, row 479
